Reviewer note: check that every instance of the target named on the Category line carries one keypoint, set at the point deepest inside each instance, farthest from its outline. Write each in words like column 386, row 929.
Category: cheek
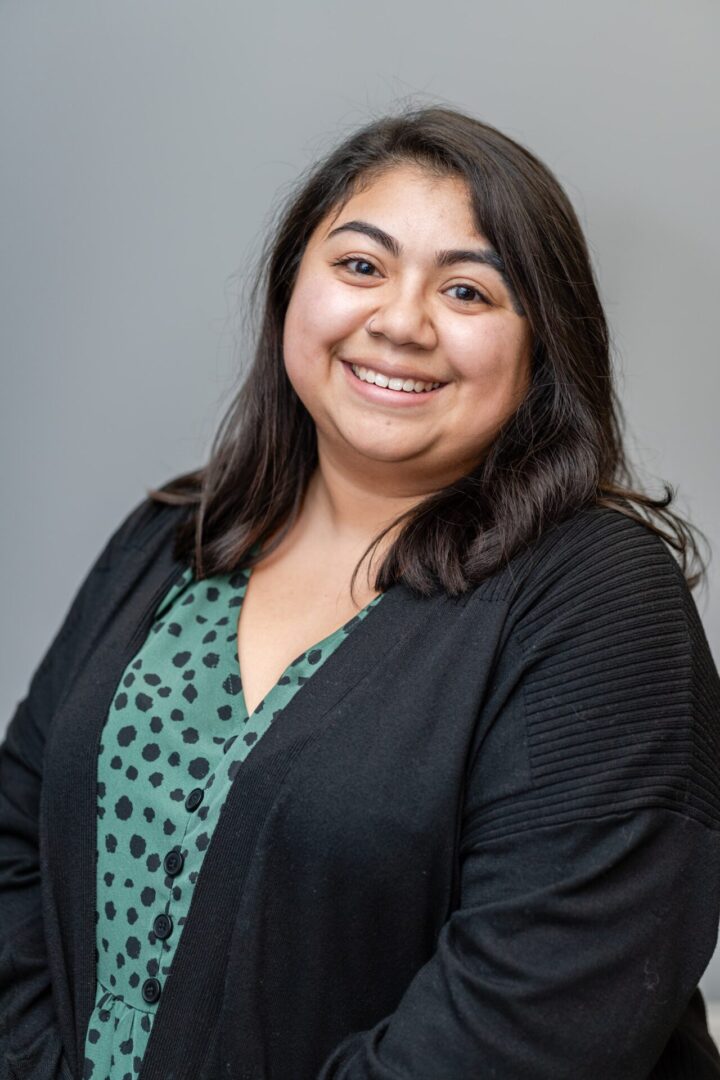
column 495, row 362
column 319, row 314
column 315, row 322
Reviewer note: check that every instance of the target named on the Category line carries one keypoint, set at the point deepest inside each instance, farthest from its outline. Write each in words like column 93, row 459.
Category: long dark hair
column 562, row 450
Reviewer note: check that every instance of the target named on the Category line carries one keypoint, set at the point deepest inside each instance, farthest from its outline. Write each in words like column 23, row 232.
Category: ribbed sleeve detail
column 618, row 690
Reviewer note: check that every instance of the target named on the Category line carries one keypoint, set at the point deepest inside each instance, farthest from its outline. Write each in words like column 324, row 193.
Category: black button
column 151, row 990
column 194, row 799
column 162, row 926
column 173, row 862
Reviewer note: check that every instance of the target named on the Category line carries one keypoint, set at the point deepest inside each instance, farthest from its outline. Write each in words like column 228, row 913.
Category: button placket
column 174, row 863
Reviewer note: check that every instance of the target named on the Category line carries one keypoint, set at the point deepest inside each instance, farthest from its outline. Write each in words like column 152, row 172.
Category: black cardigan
column 482, row 841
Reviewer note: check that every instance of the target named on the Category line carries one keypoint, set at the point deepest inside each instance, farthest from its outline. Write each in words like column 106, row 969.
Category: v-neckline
column 268, row 696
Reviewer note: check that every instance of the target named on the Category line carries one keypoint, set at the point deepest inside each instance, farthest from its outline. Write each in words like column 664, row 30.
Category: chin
column 373, row 450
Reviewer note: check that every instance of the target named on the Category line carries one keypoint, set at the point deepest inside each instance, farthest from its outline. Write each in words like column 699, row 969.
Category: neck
column 351, row 506
column 342, row 512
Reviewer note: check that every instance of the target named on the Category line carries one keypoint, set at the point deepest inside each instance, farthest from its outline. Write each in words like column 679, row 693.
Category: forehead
column 445, row 200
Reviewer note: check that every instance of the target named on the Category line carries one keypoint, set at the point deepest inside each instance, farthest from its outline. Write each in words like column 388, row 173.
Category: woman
column 386, row 744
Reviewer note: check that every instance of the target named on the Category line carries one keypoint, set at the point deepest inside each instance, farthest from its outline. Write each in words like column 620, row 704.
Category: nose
column 403, row 320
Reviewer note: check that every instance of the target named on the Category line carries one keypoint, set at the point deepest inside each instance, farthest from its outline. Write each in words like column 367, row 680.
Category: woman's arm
column 28, row 1031
column 572, row 956
column 590, row 854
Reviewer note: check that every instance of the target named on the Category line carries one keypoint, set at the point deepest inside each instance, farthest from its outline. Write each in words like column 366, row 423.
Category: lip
column 399, row 399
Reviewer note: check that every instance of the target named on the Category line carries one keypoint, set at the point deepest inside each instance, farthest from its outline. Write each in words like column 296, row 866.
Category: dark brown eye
column 351, row 259
column 472, row 289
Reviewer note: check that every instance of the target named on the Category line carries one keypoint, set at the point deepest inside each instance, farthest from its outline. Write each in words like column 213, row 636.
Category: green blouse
column 175, row 735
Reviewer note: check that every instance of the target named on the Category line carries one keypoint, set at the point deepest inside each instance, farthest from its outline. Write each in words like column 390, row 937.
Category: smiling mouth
column 402, row 386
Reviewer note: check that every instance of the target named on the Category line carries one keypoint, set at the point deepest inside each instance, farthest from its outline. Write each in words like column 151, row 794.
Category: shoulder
column 599, row 559
column 621, row 696
column 145, row 531
column 146, row 524
column 134, row 541
column 604, row 537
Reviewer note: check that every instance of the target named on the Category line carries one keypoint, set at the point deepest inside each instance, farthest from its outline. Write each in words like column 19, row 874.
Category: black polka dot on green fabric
column 176, row 720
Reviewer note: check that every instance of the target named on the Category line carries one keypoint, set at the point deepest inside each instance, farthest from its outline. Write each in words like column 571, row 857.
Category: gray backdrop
column 144, row 146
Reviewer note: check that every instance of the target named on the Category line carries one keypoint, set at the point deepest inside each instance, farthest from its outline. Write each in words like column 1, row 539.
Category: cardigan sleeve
column 29, row 1040
column 590, row 841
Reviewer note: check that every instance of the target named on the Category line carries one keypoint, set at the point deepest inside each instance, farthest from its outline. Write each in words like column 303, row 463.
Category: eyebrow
column 487, row 256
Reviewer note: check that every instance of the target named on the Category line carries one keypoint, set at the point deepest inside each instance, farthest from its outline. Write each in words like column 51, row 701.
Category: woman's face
column 401, row 310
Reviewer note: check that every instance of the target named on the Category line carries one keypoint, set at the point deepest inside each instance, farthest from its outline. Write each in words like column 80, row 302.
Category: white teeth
column 407, row 386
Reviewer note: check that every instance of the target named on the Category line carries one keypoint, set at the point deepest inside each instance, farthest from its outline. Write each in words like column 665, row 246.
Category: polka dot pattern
column 175, row 736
